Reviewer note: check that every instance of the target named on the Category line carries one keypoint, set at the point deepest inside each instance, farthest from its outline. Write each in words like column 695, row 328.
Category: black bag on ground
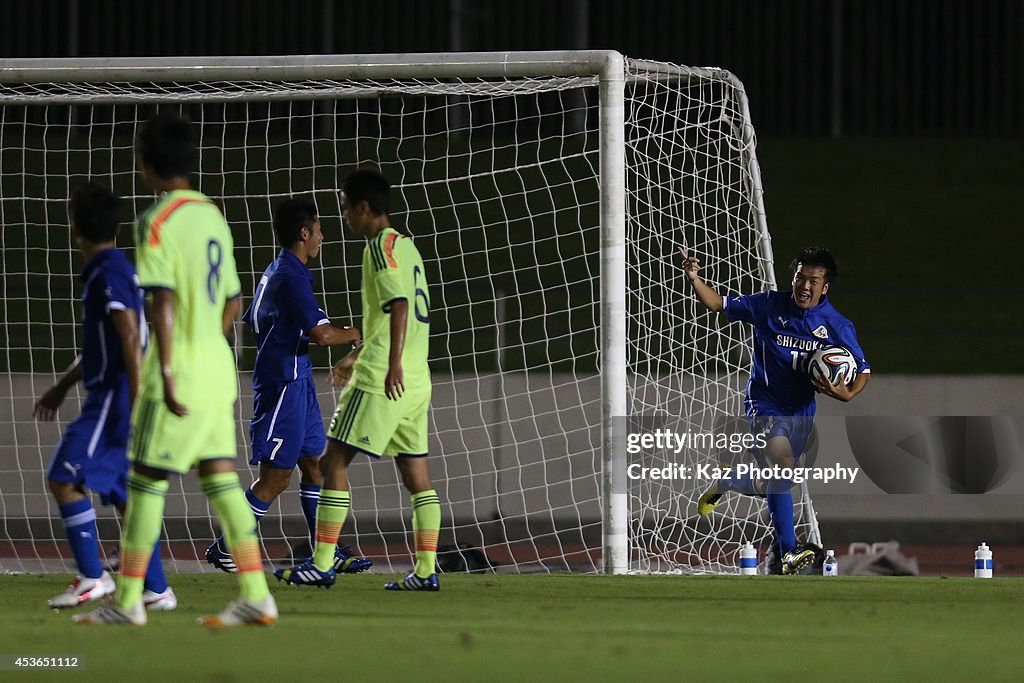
column 463, row 558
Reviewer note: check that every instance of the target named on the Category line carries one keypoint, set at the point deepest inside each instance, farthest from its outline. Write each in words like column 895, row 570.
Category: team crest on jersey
column 821, row 332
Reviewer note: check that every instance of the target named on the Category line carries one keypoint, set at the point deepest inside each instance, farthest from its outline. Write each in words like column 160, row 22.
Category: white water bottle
column 831, row 566
column 983, row 562
column 748, row 559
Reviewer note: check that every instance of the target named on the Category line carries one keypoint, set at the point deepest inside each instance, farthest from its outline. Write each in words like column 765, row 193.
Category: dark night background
column 889, row 131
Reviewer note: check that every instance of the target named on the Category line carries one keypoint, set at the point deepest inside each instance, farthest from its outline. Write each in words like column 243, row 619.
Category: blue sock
column 781, row 507
column 80, row 525
column 309, row 497
column 155, row 579
column 258, row 507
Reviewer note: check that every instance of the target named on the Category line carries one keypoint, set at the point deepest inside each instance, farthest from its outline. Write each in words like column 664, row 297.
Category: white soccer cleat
column 114, row 615
column 82, row 591
column 245, row 613
column 160, row 602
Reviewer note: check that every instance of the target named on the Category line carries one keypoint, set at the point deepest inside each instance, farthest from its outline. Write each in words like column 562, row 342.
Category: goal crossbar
column 552, row 63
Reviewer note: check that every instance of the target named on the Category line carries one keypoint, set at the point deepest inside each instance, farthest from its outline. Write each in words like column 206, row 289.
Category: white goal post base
column 548, row 191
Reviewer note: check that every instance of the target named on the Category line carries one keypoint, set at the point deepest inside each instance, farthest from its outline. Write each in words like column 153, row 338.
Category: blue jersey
column 785, row 337
column 281, row 316
column 110, row 285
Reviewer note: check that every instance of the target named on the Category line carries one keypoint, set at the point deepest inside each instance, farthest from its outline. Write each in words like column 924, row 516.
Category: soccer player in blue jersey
column 780, row 404
column 287, row 428
column 93, row 453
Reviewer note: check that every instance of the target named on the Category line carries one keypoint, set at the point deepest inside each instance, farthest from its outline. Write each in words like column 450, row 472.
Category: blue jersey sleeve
column 120, row 291
column 846, row 336
column 748, row 309
column 296, row 297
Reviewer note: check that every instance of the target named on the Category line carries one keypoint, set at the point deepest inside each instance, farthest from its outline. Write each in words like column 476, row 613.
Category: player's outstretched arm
column 840, row 391
column 706, row 294
column 393, row 381
column 127, row 325
column 329, row 335
column 163, row 331
column 47, row 405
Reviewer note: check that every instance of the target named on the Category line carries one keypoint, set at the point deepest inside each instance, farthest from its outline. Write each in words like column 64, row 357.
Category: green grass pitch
column 540, row 628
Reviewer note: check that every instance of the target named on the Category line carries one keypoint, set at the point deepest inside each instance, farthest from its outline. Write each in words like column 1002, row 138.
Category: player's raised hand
column 705, row 293
column 691, row 264
column 47, row 405
column 354, row 336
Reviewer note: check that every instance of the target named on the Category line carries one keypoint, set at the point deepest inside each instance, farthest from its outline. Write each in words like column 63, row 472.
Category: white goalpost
column 548, row 193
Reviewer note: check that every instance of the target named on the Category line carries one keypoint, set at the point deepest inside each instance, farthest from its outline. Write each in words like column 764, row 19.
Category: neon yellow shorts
column 162, row 440
column 375, row 425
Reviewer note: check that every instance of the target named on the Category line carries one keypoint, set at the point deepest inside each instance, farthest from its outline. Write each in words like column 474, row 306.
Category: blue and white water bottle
column 831, row 564
column 748, row 559
column 983, row 562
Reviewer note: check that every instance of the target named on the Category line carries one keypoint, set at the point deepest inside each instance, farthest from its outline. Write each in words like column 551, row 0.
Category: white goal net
column 516, row 175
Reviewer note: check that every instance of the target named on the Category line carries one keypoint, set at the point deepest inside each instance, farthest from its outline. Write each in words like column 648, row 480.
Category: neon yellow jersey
column 184, row 244
column 392, row 270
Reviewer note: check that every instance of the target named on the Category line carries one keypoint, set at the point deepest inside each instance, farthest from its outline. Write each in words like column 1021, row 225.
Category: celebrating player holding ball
column 788, row 328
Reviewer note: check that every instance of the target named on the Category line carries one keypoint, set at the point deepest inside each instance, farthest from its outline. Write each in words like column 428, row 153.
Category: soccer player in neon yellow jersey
column 184, row 416
column 382, row 410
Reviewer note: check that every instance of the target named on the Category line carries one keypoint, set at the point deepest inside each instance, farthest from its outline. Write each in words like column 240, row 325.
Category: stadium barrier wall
column 471, row 426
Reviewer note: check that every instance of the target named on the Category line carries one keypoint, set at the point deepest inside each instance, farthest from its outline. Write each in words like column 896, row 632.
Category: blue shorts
column 794, row 425
column 93, row 451
column 286, row 424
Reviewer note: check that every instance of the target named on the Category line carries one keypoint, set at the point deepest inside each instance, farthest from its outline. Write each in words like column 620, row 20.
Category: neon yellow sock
column 331, row 513
column 426, row 523
column 142, row 521
column 225, row 493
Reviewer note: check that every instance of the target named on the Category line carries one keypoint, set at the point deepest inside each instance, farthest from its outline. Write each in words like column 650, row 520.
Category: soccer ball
column 834, row 363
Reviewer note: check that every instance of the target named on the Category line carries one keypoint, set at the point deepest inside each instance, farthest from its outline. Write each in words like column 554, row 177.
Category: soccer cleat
column 306, row 574
column 245, row 613
column 346, row 563
column 82, row 591
column 160, row 602
column 797, row 559
column 772, row 564
column 217, row 555
column 708, row 500
column 414, row 583
column 114, row 615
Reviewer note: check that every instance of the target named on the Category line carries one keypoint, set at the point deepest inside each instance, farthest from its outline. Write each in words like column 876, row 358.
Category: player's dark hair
column 94, row 212
column 166, row 143
column 817, row 257
column 367, row 185
column 291, row 217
